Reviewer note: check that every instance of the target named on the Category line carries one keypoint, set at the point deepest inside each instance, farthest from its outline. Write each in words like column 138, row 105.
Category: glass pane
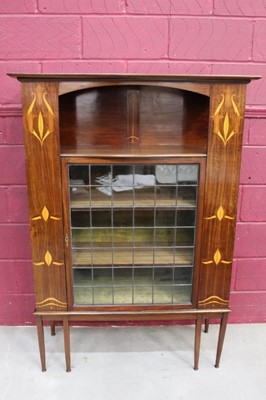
column 166, row 196
column 101, row 237
column 82, row 277
column 101, row 196
column 79, row 175
column 182, row 294
column 123, row 295
column 164, row 237
column 102, row 277
column 143, row 276
column 101, row 218
column 80, row 218
column 163, row 294
column 83, row 296
column 101, row 175
column 187, row 195
column 143, row 237
column 144, row 217
column 122, row 218
column 187, row 173
column 143, row 295
column 103, row 295
column 185, row 218
column 123, row 276
column 166, row 174
column 165, row 217
column 81, row 237
column 184, row 237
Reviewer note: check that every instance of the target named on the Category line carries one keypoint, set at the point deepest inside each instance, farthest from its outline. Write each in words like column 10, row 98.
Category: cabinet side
column 40, row 119
column 221, row 192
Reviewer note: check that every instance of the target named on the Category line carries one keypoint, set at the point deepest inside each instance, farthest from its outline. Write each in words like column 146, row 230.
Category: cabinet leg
column 207, row 324
column 53, row 328
column 197, row 341
column 41, row 342
column 67, row 344
column 223, row 326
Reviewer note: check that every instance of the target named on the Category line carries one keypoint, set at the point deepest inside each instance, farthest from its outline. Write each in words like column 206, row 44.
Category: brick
column 207, row 39
column 13, row 132
column 84, row 67
column 18, row 6
column 2, row 130
column 30, row 37
column 3, row 205
column 250, row 240
column 197, row 68
column 246, row 131
column 257, row 131
column 24, row 276
column 255, row 89
column 14, row 242
column 81, row 6
column 17, row 309
column 251, row 274
column 148, row 67
column 10, row 87
column 17, row 206
column 242, row 7
column 259, row 52
column 189, row 7
column 16, row 277
column 253, row 204
column 12, row 165
column 248, row 307
column 125, row 37
column 8, row 282
column 253, row 166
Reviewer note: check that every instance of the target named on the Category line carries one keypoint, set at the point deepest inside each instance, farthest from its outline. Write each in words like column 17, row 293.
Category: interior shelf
column 81, row 198
column 125, row 256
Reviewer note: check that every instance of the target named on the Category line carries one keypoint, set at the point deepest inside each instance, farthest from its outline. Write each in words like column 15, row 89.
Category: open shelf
column 133, row 120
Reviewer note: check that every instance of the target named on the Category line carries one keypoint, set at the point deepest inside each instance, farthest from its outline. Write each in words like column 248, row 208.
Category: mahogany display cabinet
column 132, row 192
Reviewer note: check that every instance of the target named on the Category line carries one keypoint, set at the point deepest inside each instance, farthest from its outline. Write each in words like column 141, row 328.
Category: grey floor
column 134, row 363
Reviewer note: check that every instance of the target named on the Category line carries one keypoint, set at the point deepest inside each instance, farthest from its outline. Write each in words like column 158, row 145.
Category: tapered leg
column 197, row 341
column 207, row 324
column 41, row 341
column 223, row 326
column 53, row 328
column 67, row 343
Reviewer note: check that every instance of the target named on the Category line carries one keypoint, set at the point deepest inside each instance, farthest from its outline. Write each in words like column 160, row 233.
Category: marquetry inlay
column 51, row 301
column 223, row 125
column 220, row 215
column 214, row 300
column 217, row 259
column 48, row 260
column 45, row 215
column 40, row 116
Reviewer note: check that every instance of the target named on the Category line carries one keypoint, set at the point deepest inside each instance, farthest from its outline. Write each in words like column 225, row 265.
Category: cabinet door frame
column 65, row 161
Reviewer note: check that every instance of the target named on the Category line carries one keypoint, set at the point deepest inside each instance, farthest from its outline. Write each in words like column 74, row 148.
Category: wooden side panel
column 222, row 180
column 40, row 118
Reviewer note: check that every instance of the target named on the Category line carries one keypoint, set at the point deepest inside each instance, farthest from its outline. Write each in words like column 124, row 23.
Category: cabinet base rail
column 199, row 316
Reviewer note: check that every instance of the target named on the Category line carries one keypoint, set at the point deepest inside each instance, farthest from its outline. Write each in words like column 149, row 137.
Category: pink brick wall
column 144, row 36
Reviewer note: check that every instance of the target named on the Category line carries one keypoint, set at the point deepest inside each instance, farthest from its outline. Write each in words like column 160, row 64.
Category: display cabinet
column 132, row 189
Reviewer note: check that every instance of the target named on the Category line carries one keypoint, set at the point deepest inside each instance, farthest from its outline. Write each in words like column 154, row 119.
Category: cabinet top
column 134, row 77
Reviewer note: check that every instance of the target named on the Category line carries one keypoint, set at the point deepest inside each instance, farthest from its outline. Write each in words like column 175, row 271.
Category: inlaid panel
column 222, row 180
column 40, row 117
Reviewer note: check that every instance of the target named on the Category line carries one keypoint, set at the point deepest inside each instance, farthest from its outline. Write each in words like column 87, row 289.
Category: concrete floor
column 140, row 363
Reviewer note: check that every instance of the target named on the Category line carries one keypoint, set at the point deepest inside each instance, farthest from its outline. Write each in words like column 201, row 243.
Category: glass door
column 133, row 230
